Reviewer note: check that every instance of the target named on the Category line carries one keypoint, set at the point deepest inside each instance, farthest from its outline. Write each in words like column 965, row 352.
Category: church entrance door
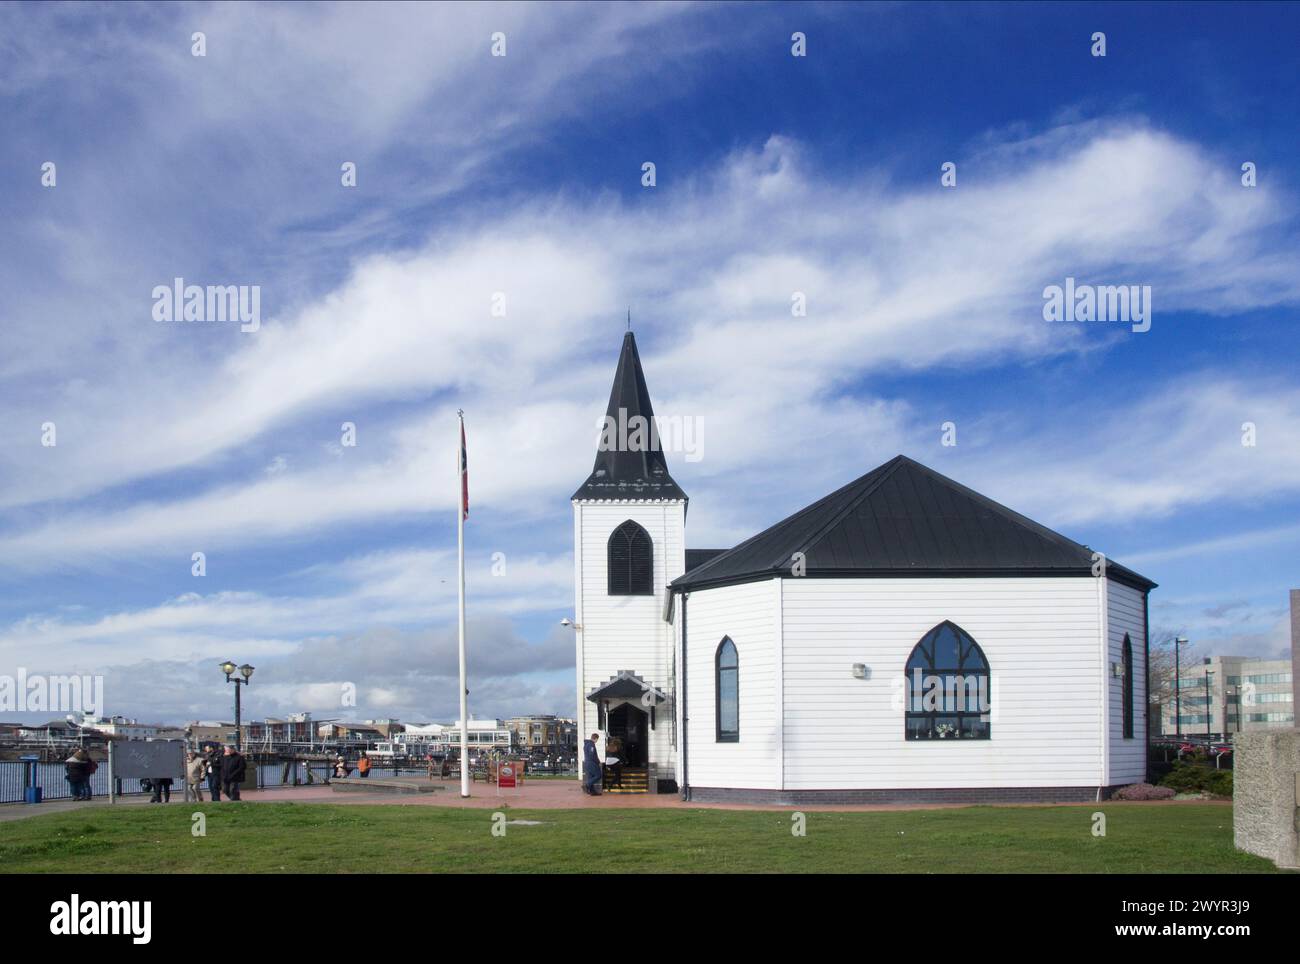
column 631, row 724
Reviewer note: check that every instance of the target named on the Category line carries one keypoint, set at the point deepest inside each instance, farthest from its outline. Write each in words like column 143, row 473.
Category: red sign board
column 507, row 775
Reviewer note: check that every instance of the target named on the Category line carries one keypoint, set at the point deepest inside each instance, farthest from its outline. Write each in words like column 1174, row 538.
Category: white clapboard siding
column 747, row 613
column 626, row 632
column 1043, row 638
column 1126, row 610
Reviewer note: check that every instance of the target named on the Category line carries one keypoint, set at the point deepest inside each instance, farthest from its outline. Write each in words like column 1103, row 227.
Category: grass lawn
column 327, row 838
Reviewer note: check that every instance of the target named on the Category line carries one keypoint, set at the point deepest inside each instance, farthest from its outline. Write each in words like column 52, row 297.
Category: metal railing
column 54, row 786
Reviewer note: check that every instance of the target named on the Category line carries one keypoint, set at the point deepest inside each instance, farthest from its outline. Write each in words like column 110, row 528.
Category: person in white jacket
column 196, row 771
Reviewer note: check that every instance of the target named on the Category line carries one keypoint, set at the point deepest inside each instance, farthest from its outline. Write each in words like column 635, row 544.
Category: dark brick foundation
column 797, row 798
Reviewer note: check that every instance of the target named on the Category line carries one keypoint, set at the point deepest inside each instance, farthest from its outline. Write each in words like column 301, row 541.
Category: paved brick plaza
column 537, row 794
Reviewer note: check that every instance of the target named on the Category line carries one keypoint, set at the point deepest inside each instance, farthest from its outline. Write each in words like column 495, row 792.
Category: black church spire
column 630, row 461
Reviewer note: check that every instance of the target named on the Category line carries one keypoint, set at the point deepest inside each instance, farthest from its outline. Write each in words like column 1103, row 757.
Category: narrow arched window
column 631, row 558
column 728, row 690
column 1128, row 688
column 947, row 687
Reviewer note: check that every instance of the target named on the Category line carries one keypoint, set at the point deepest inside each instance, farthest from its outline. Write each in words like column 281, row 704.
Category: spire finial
column 629, row 318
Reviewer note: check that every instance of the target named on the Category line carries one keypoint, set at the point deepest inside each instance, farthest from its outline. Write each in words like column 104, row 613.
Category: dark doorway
column 631, row 725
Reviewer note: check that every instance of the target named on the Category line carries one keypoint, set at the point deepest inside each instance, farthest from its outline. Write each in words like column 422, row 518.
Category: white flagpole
column 460, row 540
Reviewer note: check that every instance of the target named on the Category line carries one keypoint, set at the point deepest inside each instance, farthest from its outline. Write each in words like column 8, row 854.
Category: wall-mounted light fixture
column 861, row 671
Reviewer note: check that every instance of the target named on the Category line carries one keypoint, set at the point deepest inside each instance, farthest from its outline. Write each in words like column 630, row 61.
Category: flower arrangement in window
column 945, row 730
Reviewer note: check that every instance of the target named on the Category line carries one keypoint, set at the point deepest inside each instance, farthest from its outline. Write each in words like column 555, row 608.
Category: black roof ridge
column 886, row 470
column 1022, row 520
column 790, row 518
column 1065, row 555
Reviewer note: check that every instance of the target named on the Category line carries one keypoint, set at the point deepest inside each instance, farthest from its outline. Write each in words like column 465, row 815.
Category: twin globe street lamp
column 228, row 667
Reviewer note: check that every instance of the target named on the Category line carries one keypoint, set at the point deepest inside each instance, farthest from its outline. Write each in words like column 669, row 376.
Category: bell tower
column 629, row 522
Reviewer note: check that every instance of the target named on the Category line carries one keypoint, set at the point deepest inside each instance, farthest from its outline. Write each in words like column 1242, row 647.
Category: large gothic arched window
column 631, row 561
column 947, row 687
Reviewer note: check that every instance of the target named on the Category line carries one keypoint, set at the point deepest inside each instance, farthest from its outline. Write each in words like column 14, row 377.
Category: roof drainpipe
column 686, row 742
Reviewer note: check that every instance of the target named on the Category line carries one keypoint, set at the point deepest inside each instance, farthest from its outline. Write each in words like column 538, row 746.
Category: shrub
column 1157, row 771
column 1190, row 778
column 1143, row 791
column 1221, row 782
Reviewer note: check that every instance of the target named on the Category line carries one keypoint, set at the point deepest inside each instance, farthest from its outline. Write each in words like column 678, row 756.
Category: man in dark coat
column 590, row 766
column 213, row 758
column 232, row 772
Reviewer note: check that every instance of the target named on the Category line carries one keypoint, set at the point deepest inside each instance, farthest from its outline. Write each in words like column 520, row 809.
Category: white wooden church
column 901, row 639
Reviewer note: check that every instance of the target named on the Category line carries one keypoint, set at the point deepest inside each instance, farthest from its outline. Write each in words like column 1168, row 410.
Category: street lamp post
column 1179, row 641
column 1208, row 705
column 246, row 671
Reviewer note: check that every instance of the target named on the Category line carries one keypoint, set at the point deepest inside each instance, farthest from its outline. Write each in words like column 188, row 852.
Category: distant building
column 483, row 734
column 295, row 728
column 128, row 729
column 53, row 731
column 387, row 728
column 441, row 738
column 544, row 734
column 210, row 731
column 337, row 731
column 1295, row 648
column 1243, row 694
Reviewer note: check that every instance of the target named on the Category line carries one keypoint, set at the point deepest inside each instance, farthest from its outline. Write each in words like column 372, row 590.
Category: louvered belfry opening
column 631, row 561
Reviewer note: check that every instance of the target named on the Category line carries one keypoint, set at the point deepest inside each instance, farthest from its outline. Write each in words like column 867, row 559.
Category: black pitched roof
column 636, row 471
column 904, row 519
column 698, row 557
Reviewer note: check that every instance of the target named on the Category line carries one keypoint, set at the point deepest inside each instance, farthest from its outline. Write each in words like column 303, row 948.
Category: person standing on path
column 196, row 769
column 590, row 766
column 213, row 764
column 233, row 769
column 77, row 773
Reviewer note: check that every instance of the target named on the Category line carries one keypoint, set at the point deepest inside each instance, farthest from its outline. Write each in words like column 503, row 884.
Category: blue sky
column 521, row 174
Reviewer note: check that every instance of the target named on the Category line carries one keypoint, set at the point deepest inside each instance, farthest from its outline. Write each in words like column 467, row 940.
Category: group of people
column 77, row 770
column 223, row 771
column 342, row 770
column 593, row 771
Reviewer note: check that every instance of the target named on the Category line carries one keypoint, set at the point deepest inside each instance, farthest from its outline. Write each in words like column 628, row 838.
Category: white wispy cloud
column 913, row 279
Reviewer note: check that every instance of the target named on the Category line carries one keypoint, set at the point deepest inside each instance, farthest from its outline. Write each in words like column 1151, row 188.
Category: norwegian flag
column 464, row 474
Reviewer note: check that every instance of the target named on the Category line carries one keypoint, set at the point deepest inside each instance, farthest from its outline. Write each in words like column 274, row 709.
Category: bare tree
column 1162, row 667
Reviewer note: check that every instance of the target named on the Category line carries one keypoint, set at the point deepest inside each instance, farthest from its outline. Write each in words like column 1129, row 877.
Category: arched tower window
column 1128, row 688
column 631, row 561
column 728, row 690
column 947, row 687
